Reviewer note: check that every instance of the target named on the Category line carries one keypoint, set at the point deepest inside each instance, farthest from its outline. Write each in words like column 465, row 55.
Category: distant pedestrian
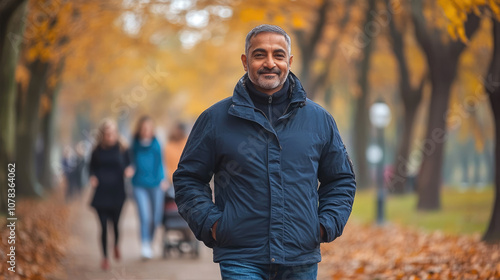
column 176, row 141
column 108, row 165
column 69, row 164
column 75, row 171
column 148, row 181
column 83, row 155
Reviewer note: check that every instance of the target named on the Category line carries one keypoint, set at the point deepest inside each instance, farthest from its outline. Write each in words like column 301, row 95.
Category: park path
column 84, row 257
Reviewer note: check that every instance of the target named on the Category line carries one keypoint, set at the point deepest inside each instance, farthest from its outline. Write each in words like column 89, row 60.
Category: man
column 267, row 147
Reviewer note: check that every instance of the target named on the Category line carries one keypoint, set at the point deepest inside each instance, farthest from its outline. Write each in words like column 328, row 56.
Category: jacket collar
column 241, row 96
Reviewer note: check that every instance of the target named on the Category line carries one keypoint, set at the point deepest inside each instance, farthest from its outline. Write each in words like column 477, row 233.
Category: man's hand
column 214, row 228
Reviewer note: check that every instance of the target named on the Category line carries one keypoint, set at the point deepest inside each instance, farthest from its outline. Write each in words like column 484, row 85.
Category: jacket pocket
column 220, row 231
column 318, row 235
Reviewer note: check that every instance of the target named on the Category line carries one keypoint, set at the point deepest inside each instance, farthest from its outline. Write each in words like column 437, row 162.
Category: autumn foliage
column 393, row 252
column 41, row 231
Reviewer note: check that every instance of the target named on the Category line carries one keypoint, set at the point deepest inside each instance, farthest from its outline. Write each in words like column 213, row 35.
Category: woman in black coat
column 108, row 165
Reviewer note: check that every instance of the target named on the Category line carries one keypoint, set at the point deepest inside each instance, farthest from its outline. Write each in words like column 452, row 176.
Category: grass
column 463, row 212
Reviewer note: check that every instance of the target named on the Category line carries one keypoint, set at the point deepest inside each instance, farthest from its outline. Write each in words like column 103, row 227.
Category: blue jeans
column 150, row 207
column 235, row 270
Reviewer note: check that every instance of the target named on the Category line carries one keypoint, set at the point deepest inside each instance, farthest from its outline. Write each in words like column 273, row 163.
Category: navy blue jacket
column 267, row 198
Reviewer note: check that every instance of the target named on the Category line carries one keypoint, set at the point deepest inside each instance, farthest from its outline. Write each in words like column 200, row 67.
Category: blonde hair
column 107, row 123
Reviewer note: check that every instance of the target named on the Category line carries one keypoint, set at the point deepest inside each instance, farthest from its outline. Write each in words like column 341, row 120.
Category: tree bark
column 432, row 147
column 11, row 24
column 442, row 61
column 492, row 87
column 27, row 130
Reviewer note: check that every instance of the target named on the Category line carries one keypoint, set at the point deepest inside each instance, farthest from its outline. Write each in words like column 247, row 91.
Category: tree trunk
column 361, row 126
column 27, row 130
column 10, row 9
column 9, row 24
column 398, row 182
column 308, row 46
column 411, row 98
column 432, row 147
column 442, row 61
column 492, row 87
column 323, row 81
column 47, row 173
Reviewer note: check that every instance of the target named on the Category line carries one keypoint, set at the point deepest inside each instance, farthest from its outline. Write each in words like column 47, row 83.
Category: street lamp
column 380, row 116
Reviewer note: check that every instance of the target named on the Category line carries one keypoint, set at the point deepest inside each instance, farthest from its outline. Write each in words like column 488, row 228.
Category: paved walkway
column 84, row 256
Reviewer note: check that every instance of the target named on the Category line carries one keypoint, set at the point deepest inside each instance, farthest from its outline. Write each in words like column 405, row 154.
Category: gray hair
column 267, row 28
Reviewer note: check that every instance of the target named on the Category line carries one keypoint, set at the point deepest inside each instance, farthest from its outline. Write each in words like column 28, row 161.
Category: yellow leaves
column 495, row 8
column 32, row 54
column 253, row 14
column 40, row 52
column 52, row 81
column 461, row 34
column 298, row 21
column 456, row 13
column 279, row 20
column 22, row 76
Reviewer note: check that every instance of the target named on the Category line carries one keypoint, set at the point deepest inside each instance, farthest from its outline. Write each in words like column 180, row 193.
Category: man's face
column 267, row 62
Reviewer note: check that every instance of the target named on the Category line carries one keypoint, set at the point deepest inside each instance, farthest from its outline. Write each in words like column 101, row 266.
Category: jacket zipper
column 269, row 111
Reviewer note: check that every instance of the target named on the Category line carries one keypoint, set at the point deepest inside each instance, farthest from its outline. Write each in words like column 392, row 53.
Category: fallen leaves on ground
column 40, row 236
column 393, row 252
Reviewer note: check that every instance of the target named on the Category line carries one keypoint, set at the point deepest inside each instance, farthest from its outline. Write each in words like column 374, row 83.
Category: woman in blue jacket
column 148, row 181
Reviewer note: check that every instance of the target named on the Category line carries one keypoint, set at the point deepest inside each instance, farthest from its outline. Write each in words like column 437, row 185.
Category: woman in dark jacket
column 108, row 164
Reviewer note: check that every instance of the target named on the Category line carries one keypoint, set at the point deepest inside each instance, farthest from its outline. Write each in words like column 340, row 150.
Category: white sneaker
column 147, row 252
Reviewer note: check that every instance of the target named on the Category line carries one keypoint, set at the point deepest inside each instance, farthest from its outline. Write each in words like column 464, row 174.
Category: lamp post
column 380, row 116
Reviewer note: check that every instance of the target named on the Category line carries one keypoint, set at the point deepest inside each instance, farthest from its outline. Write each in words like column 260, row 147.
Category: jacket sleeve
column 337, row 185
column 193, row 194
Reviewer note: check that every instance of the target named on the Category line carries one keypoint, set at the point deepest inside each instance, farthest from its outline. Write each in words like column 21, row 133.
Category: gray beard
column 268, row 84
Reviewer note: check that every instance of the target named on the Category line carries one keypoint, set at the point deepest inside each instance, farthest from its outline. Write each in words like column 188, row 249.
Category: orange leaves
column 23, row 76
column 40, row 236
column 390, row 252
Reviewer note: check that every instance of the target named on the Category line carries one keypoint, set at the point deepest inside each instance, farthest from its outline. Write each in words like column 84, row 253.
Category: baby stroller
column 178, row 238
